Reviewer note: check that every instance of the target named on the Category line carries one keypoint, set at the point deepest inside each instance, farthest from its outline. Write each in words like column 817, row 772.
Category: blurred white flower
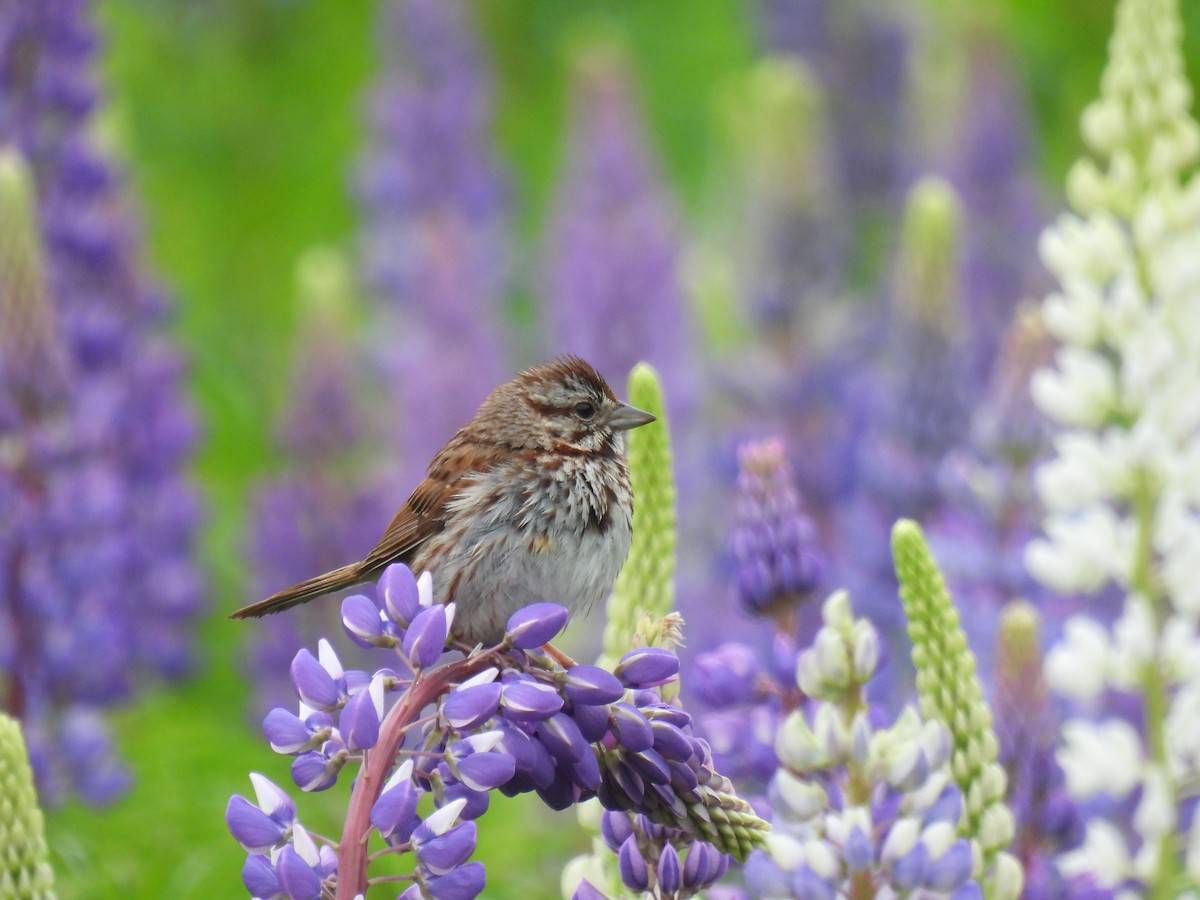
column 1101, row 758
column 1076, row 667
column 1103, row 856
column 1080, row 552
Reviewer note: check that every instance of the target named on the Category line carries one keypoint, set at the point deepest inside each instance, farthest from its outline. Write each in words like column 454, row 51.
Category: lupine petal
column 647, row 667
column 669, row 742
column 251, row 827
column 425, row 590
column 272, row 799
column 426, row 637
column 258, row 875
column 632, row 729
column 972, row 891
column 859, row 851
column 444, row 852
column 314, row 771
column 361, row 621
column 359, row 721
column 909, row 870
column 588, row 891
column 701, row 865
column 652, row 767
column 615, row 827
column 669, row 870
column 464, row 883
column 536, row 624
column 952, row 869
column 534, row 761
column 288, row 734
column 592, row 722
column 440, row 820
column 585, row 772
column 808, row 884
column 527, row 700
column 947, row 808
column 314, row 684
column 485, row 771
column 591, row 686
column 469, row 707
column 297, row 878
column 562, row 792
column 401, row 598
column 562, row 738
column 477, row 801
column 395, row 810
column 632, row 865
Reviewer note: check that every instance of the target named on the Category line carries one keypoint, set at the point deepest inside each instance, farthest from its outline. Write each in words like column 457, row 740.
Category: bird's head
column 564, row 405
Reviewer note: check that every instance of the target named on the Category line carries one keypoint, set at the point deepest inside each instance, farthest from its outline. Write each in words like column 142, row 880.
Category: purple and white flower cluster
column 505, row 718
column 860, row 808
column 778, row 566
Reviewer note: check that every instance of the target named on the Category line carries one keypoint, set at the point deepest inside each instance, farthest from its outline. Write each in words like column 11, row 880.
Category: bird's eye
column 585, row 410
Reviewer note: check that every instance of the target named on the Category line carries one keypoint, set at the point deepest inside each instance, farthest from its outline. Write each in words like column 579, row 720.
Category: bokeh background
column 641, row 147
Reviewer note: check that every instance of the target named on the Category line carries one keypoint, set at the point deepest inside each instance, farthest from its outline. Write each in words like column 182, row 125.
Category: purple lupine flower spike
column 503, row 718
column 773, row 544
column 98, row 557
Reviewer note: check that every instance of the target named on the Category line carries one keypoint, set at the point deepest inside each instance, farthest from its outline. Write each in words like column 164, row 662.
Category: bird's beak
column 625, row 417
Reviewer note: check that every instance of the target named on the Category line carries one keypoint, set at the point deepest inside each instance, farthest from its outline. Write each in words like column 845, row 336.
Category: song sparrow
column 529, row 501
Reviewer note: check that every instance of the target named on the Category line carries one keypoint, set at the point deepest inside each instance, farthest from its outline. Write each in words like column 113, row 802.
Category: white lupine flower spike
column 1121, row 498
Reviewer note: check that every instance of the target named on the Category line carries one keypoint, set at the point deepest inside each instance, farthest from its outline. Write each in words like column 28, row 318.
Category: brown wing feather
column 417, row 520
column 424, row 514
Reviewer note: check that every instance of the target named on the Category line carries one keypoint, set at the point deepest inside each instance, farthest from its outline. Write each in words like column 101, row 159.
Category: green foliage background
column 239, row 121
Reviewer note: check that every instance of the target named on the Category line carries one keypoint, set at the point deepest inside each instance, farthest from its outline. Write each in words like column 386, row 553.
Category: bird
column 529, row 501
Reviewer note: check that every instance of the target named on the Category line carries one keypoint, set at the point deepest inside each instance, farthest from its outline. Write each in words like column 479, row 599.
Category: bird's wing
column 424, row 514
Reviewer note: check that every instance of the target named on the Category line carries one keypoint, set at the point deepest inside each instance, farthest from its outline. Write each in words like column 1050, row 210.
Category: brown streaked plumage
column 529, row 501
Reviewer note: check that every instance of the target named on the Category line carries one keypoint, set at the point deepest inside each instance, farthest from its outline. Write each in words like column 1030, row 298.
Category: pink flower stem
column 377, row 765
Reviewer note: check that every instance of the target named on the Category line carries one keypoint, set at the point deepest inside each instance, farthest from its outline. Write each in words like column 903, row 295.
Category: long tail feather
column 354, row 573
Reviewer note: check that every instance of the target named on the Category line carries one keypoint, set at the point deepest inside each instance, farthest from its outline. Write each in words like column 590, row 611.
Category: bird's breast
column 517, row 535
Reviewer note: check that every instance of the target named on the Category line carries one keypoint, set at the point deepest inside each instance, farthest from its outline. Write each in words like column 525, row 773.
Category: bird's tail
column 344, row 577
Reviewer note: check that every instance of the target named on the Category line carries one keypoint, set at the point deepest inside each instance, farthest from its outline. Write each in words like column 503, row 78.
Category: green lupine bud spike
column 929, row 255
column 31, row 354
column 1019, row 656
column 950, row 692
column 773, row 118
column 323, row 284
column 646, row 586
column 25, row 872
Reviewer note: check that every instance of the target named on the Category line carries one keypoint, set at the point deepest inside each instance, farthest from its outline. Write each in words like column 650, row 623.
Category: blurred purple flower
column 860, row 52
column 995, row 173
column 435, row 211
column 773, row 543
column 100, row 552
column 325, row 506
column 613, row 294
